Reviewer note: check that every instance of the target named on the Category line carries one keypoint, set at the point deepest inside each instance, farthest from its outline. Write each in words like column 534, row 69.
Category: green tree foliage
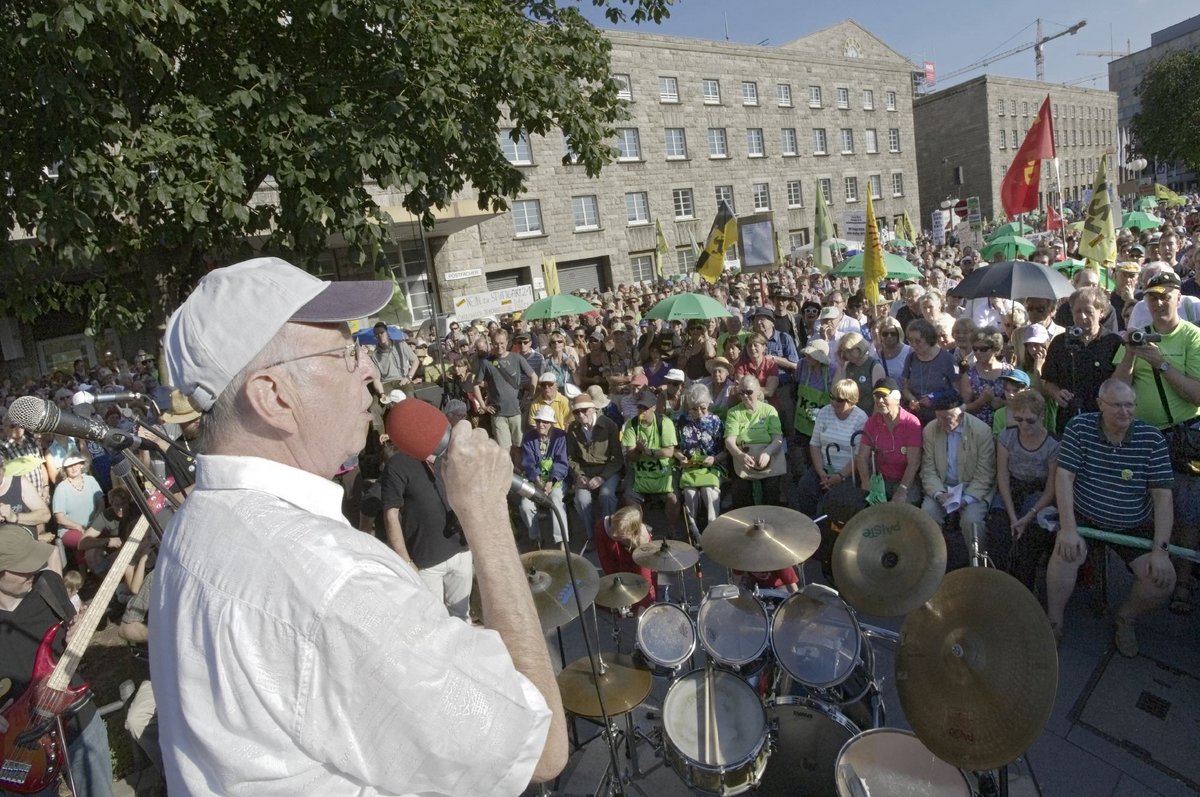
column 1168, row 126
column 136, row 133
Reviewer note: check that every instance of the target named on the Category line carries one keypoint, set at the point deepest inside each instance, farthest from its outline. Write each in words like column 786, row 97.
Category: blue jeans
column 91, row 765
column 604, row 497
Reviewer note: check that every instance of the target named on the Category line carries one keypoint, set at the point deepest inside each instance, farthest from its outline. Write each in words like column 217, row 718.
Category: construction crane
column 1108, row 53
column 1036, row 45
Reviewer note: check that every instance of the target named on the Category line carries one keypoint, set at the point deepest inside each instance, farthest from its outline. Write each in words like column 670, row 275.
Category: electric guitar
column 32, row 750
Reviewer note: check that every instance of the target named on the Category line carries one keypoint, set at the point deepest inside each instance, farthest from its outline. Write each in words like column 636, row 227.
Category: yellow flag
column 906, row 229
column 711, row 263
column 873, row 269
column 660, row 249
column 1098, row 245
column 1165, row 194
column 550, row 272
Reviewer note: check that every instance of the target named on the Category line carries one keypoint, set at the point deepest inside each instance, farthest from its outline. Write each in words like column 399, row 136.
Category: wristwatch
column 1163, row 367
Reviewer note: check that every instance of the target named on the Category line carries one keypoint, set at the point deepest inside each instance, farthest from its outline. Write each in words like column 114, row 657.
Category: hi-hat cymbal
column 666, row 555
column 889, row 559
column 623, row 686
column 550, row 583
column 619, row 590
column 977, row 669
column 761, row 538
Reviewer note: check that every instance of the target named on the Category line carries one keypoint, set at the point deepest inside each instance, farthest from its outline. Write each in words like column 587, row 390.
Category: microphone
column 118, row 398
column 419, row 430
column 39, row 415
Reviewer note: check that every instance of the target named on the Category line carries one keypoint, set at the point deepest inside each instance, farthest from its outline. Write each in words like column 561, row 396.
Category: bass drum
column 715, row 732
column 666, row 637
column 808, row 735
column 896, row 763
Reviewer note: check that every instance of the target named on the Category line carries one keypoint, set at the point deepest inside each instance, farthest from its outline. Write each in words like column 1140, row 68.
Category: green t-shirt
column 1182, row 350
column 651, row 476
column 755, row 427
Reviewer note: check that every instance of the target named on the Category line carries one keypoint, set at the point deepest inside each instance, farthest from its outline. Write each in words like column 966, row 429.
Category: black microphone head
column 33, row 413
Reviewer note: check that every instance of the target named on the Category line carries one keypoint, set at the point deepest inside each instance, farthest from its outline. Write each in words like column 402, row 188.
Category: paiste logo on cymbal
column 880, row 530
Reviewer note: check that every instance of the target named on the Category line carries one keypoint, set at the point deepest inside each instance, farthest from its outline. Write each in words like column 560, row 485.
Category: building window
column 516, row 152
column 642, row 267
column 712, row 92
column 685, row 207
column 637, row 208
column 814, row 96
column 762, row 196
column 724, row 193
column 1089, row 138
column 1012, row 107
column 731, row 256
column 868, row 100
column 843, row 98
column 527, row 217
column 1000, row 107
column 1002, row 139
column 875, row 186
column 586, row 211
column 783, row 95
column 624, row 87
column 1014, row 138
column 676, row 143
column 851, row 189
column 749, row 92
column 718, row 144
column 894, row 139
column 795, row 194
column 798, row 239
column 847, row 136
column 684, row 260
column 890, row 97
column 668, row 89
column 825, row 186
column 754, row 142
column 629, row 145
column 897, row 184
column 872, row 140
column 1025, row 109
column 819, row 142
column 789, row 141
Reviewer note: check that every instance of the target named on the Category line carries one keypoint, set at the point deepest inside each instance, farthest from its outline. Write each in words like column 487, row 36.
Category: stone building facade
column 967, row 136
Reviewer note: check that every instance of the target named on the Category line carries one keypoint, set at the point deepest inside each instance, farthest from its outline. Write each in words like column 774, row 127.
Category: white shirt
column 1189, row 310
column 294, row 655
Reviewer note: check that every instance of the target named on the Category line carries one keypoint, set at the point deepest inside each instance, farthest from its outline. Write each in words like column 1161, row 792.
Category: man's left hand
column 1150, row 353
column 1159, row 568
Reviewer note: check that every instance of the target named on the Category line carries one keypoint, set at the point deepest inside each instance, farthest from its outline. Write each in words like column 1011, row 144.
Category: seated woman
column 754, row 439
column 1026, row 465
column 756, row 363
column 891, row 446
column 929, row 369
column 835, row 428
column 700, row 451
column 721, row 385
column 981, row 385
column 616, row 537
column 857, row 363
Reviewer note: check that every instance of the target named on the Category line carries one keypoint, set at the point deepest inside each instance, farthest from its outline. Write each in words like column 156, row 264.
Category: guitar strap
column 61, row 610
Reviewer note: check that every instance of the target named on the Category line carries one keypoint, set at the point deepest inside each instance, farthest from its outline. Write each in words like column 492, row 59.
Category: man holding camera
column 1162, row 362
column 1078, row 361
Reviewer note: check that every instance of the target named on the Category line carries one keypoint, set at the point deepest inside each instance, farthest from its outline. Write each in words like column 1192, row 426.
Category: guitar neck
column 86, row 626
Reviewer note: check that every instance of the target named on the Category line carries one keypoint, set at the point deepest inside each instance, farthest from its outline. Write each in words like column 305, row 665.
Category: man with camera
column 1162, row 363
column 1078, row 361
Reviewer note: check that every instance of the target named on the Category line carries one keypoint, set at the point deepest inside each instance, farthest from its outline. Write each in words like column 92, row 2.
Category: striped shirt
column 1113, row 482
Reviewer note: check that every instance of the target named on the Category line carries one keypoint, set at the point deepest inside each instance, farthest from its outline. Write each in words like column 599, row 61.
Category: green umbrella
column 1015, row 228
column 1077, row 226
column 1146, row 203
column 1010, row 246
column 556, row 306
column 897, row 267
column 1141, row 220
column 1070, row 267
column 902, row 243
column 685, row 306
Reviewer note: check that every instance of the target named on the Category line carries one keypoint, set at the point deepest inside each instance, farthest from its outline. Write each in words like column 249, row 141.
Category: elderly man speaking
column 291, row 653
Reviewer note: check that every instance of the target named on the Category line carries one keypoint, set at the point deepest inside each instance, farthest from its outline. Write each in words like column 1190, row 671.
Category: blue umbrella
column 368, row 335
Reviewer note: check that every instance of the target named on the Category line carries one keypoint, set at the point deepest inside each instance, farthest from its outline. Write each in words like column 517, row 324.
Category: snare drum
column 715, row 732
column 808, row 735
column 816, row 638
column 896, row 763
column 666, row 636
column 734, row 631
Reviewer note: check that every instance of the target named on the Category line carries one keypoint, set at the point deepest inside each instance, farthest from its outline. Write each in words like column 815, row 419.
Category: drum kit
column 775, row 692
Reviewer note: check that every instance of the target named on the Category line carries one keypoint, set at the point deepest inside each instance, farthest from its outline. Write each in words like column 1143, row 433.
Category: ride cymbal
column 761, row 538
column 623, row 686
column 620, row 590
column 977, row 669
column 889, row 559
column 550, row 583
column 666, row 555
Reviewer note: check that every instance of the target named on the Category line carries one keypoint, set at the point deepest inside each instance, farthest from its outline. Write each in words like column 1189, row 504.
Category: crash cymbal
column 761, row 538
column 889, row 559
column 666, row 555
column 550, row 583
column 977, row 669
column 619, row 590
column 623, row 685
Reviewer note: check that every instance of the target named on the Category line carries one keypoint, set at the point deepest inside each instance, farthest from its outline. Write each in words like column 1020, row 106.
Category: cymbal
column 666, row 555
column 761, row 538
column 889, row 559
column 623, row 686
column 977, row 669
column 550, row 583
column 622, row 589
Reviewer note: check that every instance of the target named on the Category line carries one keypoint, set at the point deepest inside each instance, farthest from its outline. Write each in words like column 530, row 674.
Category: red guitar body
column 32, row 751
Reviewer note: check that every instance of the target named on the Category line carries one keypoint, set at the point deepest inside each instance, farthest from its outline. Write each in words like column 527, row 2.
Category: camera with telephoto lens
column 1140, row 337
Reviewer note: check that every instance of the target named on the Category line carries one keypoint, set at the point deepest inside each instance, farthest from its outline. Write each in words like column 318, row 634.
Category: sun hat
column 583, row 402
column 545, row 413
column 20, row 552
column 818, row 350
column 547, row 378
column 181, row 410
column 598, row 396
column 674, row 375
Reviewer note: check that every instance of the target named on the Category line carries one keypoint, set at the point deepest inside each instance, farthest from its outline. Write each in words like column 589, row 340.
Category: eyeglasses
column 580, row 412
column 836, row 400
column 981, row 348
column 351, row 353
column 1127, row 406
column 889, row 333
column 748, row 392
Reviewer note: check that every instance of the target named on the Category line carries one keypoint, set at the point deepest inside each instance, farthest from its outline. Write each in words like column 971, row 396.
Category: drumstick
column 712, row 742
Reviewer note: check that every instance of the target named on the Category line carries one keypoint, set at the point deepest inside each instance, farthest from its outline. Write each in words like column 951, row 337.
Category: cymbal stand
column 979, row 554
column 694, row 541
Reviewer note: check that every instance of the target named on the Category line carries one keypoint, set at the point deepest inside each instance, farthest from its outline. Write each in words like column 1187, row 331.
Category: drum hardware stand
column 694, row 541
column 979, row 554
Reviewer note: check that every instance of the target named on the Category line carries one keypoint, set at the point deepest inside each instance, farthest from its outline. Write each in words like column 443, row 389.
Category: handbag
column 1183, row 439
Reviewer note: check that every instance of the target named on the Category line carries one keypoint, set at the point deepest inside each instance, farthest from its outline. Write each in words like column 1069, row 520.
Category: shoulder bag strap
column 1162, row 393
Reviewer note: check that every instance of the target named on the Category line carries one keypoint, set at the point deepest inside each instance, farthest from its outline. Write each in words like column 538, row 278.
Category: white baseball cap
column 234, row 311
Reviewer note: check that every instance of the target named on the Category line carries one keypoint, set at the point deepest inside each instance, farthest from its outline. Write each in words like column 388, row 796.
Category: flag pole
column 1062, row 217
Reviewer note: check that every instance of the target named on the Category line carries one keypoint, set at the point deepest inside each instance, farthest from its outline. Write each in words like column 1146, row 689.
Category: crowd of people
column 1011, row 421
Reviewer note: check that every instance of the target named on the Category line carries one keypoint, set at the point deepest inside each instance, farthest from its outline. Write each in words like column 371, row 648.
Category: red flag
column 1019, row 191
column 1053, row 220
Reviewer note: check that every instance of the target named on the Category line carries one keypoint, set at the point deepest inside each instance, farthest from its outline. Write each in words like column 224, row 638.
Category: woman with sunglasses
column 980, row 385
column 830, row 449
column 699, row 348
column 700, row 453
column 889, row 344
column 560, row 359
column 753, row 438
